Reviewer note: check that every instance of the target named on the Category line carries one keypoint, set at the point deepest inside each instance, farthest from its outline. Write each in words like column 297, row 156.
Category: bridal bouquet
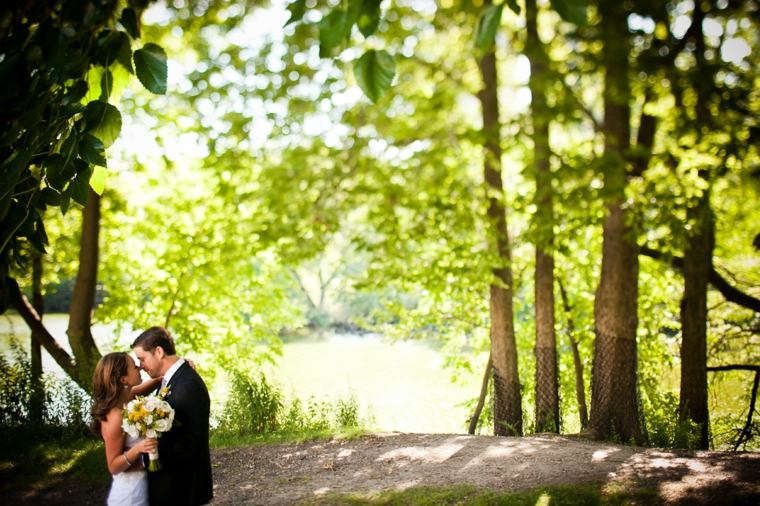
column 149, row 416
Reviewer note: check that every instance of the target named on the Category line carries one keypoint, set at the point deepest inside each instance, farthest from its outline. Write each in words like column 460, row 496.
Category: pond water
column 402, row 386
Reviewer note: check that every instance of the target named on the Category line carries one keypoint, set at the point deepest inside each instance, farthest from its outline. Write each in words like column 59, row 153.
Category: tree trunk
column 35, row 350
column 39, row 332
column 697, row 265
column 507, row 394
column 615, row 406
column 547, row 383
column 83, row 297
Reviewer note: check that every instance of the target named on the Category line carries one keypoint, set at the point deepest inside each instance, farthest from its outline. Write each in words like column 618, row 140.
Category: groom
column 185, row 475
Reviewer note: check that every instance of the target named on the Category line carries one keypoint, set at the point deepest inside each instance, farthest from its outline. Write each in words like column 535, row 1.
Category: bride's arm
column 145, row 387
column 117, row 459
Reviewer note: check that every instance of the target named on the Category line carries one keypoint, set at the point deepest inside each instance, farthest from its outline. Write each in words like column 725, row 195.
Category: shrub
column 347, row 413
column 64, row 406
column 255, row 407
column 665, row 430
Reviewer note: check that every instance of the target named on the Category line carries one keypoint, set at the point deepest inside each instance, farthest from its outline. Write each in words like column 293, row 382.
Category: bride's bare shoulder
column 114, row 416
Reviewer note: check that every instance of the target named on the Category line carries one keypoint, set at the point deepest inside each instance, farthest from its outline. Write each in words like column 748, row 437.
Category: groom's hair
column 154, row 337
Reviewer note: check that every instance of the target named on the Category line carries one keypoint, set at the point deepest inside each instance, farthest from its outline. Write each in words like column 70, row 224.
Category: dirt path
column 289, row 473
column 298, row 472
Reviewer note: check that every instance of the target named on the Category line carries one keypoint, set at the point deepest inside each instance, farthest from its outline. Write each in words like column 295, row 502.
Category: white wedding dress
column 129, row 488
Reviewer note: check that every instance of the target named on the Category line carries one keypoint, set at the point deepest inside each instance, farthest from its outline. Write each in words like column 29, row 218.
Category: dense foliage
column 59, row 64
column 265, row 190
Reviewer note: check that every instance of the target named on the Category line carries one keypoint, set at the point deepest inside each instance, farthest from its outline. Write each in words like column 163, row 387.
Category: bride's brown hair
column 106, row 389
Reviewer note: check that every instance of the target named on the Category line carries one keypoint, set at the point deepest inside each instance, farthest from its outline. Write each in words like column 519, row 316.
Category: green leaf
column 125, row 55
column 513, row 6
column 92, row 151
column 487, row 25
column 128, row 20
column 75, row 92
column 58, row 172
column 32, row 233
column 50, row 197
column 332, row 30
column 352, row 16
column 108, row 46
column 573, row 11
column 98, row 179
column 374, row 72
column 151, row 68
column 69, row 147
column 41, row 233
column 11, row 169
column 103, row 121
column 106, row 85
column 297, row 10
column 65, row 201
column 369, row 17
column 80, row 185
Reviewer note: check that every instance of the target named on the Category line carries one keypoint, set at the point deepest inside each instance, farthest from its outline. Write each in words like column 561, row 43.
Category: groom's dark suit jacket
column 185, row 475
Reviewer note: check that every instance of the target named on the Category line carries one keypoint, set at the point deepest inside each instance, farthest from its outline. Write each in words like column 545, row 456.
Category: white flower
column 130, row 429
column 163, row 425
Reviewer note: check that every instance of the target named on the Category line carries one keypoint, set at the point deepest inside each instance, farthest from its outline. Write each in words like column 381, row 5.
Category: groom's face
column 150, row 361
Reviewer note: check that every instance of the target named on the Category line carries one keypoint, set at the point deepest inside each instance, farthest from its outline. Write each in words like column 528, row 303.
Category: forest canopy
column 565, row 186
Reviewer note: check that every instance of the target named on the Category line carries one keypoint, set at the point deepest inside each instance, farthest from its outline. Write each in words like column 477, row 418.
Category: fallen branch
column 482, row 399
column 39, row 332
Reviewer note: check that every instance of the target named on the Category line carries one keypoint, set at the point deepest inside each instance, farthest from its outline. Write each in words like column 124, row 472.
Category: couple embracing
column 185, row 474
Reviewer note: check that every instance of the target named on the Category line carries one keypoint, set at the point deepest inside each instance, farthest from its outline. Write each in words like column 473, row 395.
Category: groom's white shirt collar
column 171, row 371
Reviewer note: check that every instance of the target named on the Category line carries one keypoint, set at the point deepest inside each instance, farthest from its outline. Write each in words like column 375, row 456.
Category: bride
column 116, row 382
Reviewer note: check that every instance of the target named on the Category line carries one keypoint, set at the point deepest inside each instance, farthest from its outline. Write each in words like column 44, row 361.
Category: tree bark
column 481, row 398
column 39, row 332
column 697, row 264
column 507, row 394
column 615, row 406
column 35, row 350
column 83, row 297
column 547, row 382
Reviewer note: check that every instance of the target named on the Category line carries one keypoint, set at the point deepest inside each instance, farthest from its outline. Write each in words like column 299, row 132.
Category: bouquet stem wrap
column 153, row 463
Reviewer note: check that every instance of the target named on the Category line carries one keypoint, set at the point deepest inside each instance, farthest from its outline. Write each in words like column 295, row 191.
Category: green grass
column 35, row 461
column 570, row 495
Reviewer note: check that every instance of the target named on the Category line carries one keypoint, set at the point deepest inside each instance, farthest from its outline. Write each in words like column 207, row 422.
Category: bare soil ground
column 294, row 473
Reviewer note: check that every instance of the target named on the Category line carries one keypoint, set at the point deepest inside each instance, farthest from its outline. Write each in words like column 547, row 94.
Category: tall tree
column 697, row 263
column 615, row 406
column 83, row 297
column 35, row 349
column 59, row 62
column 507, row 395
column 547, row 381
